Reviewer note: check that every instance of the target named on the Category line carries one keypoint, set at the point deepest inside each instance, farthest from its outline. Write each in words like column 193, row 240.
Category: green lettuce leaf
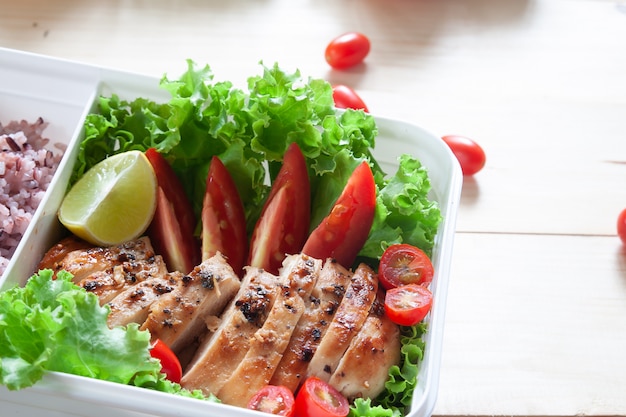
column 52, row 325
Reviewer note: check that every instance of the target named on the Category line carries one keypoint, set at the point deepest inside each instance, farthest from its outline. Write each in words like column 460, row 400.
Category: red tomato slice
column 172, row 228
column 317, row 398
column 342, row 234
column 409, row 304
column 284, row 222
column 170, row 365
column 347, row 98
column 223, row 218
column 621, row 226
column 347, row 50
column 403, row 264
column 274, row 399
column 470, row 155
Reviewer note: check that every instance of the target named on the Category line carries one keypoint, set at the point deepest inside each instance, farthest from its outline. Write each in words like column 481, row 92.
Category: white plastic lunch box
column 63, row 93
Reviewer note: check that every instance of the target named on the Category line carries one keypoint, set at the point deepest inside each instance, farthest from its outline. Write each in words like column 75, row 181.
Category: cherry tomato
column 408, row 304
column 172, row 228
column 347, row 98
column 170, row 364
column 347, row 50
column 317, row 398
column 469, row 153
column 403, row 264
column 621, row 226
column 342, row 233
column 273, row 399
column 283, row 225
column 223, row 218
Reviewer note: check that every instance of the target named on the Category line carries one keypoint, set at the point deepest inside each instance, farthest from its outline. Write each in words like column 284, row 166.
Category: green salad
column 250, row 131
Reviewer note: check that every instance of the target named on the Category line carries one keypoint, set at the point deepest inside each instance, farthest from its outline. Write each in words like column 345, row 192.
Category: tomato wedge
column 342, row 233
column 274, row 399
column 223, row 218
column 403, row 264
column 407, row 305
column 172, row 228
column 170, row 365
column 317, row 398
column 284, row 222
column 346, row 98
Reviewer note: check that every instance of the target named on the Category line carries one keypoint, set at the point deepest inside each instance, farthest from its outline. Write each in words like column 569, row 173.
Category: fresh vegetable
column 347, row 50
column 346, row 98
column 284, row 223
column 173, row 226
column 317, row 398
column 170, row 365
column 342, row 233
column 470, row 154
column 223, row 218
column 621, row 226
column 43, row 323
column 403, row 264
column 114, row 202
column 408, row 304
column 273, row 399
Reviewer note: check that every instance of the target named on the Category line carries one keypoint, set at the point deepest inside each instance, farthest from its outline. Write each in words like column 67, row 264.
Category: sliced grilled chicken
column 222, row 351
column 348, row 320
column 320, row 310
column 55, row 255
column 132, row 305
column 364, row 368
column 297, row 278
column 179, row 317
column 84, row 262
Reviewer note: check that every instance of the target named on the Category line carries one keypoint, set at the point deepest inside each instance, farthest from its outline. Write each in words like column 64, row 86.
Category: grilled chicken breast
column 377, row 343
column 348, row 319
column 222, row 351
column 179, row 317
column 321, row 306
column 297, row 278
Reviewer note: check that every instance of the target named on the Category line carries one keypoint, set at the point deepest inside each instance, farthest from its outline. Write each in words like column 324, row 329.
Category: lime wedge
column 113, row 202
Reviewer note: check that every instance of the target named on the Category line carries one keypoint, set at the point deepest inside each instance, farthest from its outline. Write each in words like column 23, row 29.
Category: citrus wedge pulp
column 113, row 202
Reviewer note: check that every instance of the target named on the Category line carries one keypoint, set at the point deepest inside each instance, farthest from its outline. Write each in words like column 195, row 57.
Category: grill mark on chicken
column 222, row 351
column 177, row 318
column 323, row 301
column 297, row 278
column 346, row 323
column 377, row 342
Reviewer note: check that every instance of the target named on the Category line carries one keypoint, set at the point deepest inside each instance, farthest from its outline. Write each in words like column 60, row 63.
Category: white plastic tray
column 63, row 92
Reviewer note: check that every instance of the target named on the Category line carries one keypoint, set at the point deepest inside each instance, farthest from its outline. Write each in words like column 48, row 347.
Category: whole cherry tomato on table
column 403, row 264
column 621, row 226
column 170, row 365
column 346, row 98
column 470, row 154
column 407, row 305
column 274, row 399
column 317, row 398
column 347, row 50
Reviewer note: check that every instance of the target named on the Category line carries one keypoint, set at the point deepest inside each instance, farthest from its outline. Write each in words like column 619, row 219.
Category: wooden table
column 536, row 311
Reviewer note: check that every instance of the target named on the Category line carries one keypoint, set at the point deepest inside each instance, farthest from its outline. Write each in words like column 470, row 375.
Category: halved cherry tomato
column 317, row 398
column 407, row 305
column 172, row 228
column 621, row 226
column 347, row 50
column 284, row 222
column 170, row 365
column 223, row 218
column 469, row 153
column 342, row 233
column 347, row 98
column 403, row 264
column 274, row 399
